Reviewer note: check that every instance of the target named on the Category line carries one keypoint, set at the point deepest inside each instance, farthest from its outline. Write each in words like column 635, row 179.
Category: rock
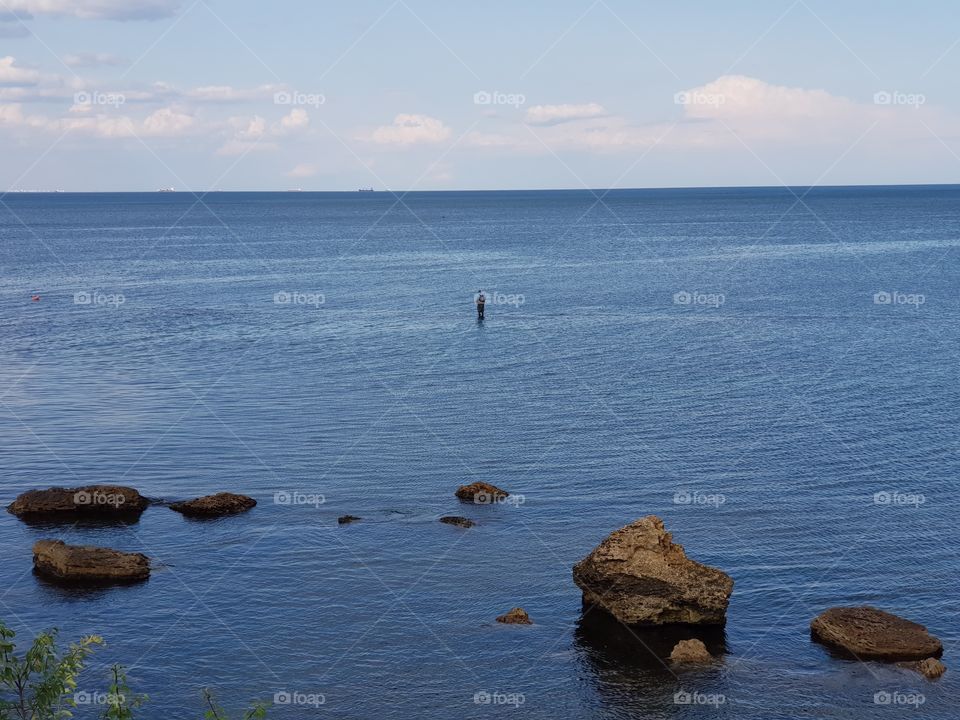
column 690, row 651
column 517, row 616
column 215, row 505
column 481, row 493
column 870, row 634
column 931, row 668
column 91, row 501
column 638, row 575
column 458, row 521
column 56, row 559
column 347, row 519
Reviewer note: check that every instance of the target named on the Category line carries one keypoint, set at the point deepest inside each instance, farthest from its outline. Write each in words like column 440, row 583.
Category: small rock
column 57, row 560
column 458, row 521
column 92, row 501
column 870, row 634
column 517, row 616
column 214, row 505
column 690, row 651
column 347, row 519
column 481, row 493
column 638, row 575
column 931, row 668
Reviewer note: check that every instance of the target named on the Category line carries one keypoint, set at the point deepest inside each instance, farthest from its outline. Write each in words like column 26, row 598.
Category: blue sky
column 418, row 94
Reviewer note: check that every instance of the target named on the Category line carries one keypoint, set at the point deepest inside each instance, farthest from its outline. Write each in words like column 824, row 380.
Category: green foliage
column 215, row 712
column 39, row 685
column 121, row 702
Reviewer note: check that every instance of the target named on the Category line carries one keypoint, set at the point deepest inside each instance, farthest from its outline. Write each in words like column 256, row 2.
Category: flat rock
column 870, row 634
column 640, row 576
column 690, row 651
column 516, row 616
column 481, row 493
column 347, row 519
column 458, row 521
column 89, row 501
column 215, row 505
column 57, row 560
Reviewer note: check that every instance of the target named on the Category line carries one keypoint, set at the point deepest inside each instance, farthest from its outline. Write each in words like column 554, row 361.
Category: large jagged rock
column 870, row 634
column 481, row 493
column 68, row 503
column 690, row 652
column 638, row 575
column 215, row 505
column 55, row 559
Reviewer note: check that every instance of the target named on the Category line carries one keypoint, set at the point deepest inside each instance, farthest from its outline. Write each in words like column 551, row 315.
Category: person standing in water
column 481, row 301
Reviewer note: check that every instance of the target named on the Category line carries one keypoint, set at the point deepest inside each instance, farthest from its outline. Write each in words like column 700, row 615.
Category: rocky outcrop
column 214, row 505
column 458, row 521
column 638, row 575
column 690, row 651
column 59, row 561
column 870, row 634
column 103, row 501
column 931, row 668
column 347, row 519
column 516, row 616
column 481, row 493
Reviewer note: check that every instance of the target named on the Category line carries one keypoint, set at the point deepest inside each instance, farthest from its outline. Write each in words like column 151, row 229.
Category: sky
column 118, row 95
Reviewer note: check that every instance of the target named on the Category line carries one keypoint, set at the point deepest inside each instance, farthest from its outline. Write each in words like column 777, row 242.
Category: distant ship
column 167, row 190
column 366, row 189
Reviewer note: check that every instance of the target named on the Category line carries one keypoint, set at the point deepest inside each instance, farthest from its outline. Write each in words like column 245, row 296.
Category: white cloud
column 556, row 114
column 13, row 76
column 303, row 170
column 229, row 94
column 96, row 9
column 411, row 130
column 93, row 60
column 297, row 120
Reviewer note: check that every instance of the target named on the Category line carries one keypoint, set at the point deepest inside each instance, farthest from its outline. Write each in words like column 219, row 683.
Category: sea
column 771, row 371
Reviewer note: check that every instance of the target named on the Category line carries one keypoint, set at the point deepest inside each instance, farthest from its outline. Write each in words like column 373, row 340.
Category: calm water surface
column 721, row 347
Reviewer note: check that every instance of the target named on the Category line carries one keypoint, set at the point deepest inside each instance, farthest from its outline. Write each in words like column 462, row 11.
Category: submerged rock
column 55, row 559
column 517, row 616
column 870, row 634
column 214, row 505
column 931, row 668
column 638, row 575
column 690, row 651
column 347, row 519
column 90, row 501
column 481, row 493
column 458, row 521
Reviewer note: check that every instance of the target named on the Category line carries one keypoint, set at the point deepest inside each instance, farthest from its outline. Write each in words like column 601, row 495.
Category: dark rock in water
column 517, row 616
column 458, row 521
column 690, row 651
column 214, row 505
column 102, row 501
column 481, row 493
column 866, row 633
column 638, row 575
column 931, row 668
column 57, row 560
column 347, row 519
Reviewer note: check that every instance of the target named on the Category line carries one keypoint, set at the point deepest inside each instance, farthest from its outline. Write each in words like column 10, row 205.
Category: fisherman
column 481, row 301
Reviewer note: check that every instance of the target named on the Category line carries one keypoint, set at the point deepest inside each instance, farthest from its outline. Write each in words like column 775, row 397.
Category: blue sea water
column 771, row 371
